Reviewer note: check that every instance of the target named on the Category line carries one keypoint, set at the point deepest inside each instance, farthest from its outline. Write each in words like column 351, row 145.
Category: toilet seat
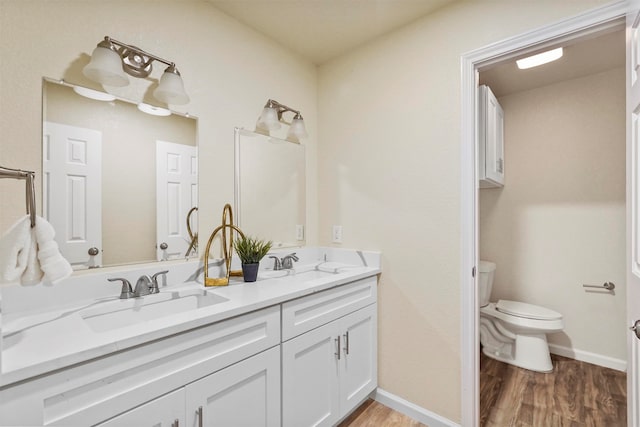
column 527, row 311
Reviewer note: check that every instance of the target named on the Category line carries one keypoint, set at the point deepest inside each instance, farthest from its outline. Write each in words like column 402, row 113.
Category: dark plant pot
column 250, row 271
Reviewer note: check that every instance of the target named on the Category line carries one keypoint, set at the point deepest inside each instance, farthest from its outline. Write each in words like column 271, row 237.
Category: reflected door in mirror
column 177, row 194
column 72, row 184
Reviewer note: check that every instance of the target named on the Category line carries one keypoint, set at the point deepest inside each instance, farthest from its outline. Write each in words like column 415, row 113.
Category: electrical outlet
column 337, row 234
column 299, row 232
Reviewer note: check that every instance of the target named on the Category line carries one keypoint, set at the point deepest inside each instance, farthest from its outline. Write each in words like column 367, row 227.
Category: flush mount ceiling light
column 539, row 59
column 111, row 59
column 271, row 118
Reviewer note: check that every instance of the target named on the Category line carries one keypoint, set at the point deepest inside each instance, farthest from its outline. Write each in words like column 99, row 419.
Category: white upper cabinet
column 490, row 139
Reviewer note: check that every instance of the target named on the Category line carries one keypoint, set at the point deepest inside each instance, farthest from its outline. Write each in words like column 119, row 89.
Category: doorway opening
column 586, row 26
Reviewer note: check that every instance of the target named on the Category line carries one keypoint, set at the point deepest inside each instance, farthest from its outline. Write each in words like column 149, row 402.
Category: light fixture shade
column 297, row 129
column 93, row 94
column 171, row 88
column 106, row 68
column 268, row 120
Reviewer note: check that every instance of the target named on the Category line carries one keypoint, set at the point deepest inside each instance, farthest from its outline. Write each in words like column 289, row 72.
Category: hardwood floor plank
column 574, row 394
column 374, row 414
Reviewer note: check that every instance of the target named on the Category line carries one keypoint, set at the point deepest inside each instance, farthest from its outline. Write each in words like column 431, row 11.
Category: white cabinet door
column 491, row 143
column 310, row 388
column 246, row 394
column 329, row 371
column 359, row 373
column 165, row 411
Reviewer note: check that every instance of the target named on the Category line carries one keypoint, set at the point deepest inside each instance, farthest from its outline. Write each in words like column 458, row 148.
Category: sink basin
column 124, row 313
column 300, row 275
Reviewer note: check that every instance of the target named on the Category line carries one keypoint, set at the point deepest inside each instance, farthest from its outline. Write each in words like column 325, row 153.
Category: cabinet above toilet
column 490, row 139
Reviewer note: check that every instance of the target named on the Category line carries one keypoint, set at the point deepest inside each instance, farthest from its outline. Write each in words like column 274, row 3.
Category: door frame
column 586, row 24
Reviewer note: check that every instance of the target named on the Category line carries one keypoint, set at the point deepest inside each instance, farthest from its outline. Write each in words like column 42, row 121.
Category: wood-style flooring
column 574, row 394
column 374, row 414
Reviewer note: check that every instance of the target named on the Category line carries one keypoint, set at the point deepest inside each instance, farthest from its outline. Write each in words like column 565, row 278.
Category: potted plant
column 251, row 250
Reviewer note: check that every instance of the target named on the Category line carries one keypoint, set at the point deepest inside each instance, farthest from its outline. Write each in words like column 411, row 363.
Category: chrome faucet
column 287, row 261
column 277, row 264
column 284, row 263
column 154, row 289
column 143, row 286
column 125, row 292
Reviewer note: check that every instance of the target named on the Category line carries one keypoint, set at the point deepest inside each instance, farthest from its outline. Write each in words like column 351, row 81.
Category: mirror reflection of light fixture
column 93, row 94
column 154, row 111
column 111, row 59
column 271, row 118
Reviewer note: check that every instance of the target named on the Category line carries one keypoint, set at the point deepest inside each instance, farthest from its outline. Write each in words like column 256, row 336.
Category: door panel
column 359, row 375
column 72, row 187
column 310, row 391
column 246, row 394
column 633, row 209
column 177, row 193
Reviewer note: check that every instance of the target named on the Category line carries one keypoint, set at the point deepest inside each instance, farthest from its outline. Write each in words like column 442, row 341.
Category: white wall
column 389, row 173
column 559, row 221
column 229, row 72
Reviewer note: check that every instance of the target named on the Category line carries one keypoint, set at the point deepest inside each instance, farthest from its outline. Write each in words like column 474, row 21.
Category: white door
column 633, row 211
column 72, row 188
column 359, row 370
column 246, row 394
column 310, row 378
column 177, row 193
column 165, row 411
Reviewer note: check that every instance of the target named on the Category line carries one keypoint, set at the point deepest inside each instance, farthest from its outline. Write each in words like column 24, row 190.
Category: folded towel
column 27, row 254
column 16, row 251
column 52, row 263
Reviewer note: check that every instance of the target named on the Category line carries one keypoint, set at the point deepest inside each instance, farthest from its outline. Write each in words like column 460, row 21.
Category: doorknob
column 636, row 328
column 93, row 251
column 163, row 246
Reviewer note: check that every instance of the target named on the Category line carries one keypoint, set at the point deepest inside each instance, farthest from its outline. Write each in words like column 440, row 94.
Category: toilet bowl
column 514, row 332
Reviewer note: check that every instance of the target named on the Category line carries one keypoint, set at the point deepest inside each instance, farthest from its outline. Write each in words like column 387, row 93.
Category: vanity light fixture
column 539, row 59
column 271, row 118
column 111, row 59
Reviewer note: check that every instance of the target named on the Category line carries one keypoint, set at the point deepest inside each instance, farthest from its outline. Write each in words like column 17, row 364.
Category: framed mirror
column 119, row 178
column 270, row 183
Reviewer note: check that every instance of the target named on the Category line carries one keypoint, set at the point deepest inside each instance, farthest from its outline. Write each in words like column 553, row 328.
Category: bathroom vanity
column 298, row 347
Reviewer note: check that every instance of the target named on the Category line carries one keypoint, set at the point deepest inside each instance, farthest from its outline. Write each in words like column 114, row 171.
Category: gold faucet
column 227, row 249
column 193, row 246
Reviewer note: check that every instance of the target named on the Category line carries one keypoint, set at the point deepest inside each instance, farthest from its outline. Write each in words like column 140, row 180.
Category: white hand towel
column 26, row 254
column 16, row 251
column 52, row 263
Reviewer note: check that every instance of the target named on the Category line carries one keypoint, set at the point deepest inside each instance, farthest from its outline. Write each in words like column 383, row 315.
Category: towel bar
column 29, row 177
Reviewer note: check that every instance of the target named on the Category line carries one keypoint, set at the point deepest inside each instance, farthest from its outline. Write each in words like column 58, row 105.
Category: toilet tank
column 486, row 271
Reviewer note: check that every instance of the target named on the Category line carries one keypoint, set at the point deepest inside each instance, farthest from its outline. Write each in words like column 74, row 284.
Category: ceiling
column 323, row 29
column 580, row 59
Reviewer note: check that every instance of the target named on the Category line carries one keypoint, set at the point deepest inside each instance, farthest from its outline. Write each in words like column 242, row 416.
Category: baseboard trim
column 409, row 409
column 585, row 356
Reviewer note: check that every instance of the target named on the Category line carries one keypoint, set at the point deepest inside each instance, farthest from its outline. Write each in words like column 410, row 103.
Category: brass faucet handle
column 125, row 292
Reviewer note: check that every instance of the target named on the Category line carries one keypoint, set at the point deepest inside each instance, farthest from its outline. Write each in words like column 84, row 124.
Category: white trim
column 586, row 356
column 411, row 410
column 597, row 20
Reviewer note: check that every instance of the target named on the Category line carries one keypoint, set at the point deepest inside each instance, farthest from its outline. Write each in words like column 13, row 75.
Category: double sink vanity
column 296, row 348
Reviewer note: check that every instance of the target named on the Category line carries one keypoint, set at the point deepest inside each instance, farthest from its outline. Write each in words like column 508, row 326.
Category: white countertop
column 49, row 340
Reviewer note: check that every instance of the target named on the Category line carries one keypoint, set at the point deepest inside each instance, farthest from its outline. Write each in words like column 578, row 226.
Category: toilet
column 514, row 332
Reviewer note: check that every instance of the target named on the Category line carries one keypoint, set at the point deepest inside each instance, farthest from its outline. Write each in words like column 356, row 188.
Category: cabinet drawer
column 102, row 388
column 306, row 313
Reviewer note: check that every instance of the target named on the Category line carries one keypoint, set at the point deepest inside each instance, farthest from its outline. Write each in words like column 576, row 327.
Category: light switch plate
column 337, row 234
column 299, row 232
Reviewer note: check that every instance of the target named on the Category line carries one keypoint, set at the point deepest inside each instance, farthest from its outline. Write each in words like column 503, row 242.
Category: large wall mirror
column 270, row 188
column 119, row 181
